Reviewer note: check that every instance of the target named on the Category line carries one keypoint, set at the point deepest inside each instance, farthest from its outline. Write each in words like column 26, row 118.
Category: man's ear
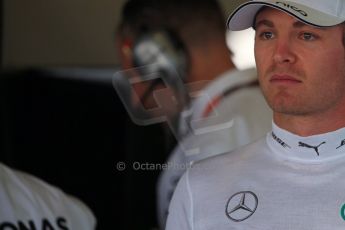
column 126, row 48
column 126, row 54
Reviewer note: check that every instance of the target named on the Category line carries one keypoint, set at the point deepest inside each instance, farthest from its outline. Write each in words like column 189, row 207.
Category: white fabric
column 321, row 13
column 239, row 119
column 27, row 202
column 296, row 188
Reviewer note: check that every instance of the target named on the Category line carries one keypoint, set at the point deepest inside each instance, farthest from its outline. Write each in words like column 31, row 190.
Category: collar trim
column 316, row 148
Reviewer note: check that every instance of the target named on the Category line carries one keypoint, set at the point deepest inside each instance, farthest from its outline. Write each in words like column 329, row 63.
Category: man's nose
column 284, row 54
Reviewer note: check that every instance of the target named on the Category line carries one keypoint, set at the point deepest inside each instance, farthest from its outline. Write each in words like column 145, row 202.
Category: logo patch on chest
column 241, row 206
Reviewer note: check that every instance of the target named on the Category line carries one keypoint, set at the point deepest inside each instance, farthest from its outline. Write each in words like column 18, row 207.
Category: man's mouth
column 284, row 79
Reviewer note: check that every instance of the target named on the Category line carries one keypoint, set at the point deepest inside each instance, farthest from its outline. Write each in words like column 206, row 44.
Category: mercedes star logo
column 241, row 206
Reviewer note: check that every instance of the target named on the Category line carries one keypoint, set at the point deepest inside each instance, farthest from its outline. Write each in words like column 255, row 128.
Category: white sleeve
column 29, row 200
column 79, row 213
column 180, row 215
column 167, row 182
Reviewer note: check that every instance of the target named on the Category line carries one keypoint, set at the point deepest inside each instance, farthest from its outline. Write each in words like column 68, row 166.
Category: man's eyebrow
column 263, row 22
column 299, row 24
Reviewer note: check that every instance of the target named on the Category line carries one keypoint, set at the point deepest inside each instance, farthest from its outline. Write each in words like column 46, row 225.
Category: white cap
column 320, row 13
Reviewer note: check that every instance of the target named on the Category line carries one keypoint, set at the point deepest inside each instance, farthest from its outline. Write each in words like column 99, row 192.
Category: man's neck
column 208, row 65
column 305, row 125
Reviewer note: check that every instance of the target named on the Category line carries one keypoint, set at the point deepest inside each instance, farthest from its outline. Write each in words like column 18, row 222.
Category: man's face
column 301, row 68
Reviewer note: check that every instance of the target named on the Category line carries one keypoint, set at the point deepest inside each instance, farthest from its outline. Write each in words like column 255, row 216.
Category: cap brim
column 243, row 17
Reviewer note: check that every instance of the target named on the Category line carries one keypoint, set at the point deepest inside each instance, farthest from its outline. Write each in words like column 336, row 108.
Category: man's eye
column 307, row 36
column 266, row 35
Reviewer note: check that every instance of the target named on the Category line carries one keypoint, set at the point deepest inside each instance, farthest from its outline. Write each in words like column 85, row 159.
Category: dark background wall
column 71, row 133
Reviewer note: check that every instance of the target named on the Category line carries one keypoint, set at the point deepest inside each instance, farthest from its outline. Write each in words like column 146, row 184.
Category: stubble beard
column 278, row 98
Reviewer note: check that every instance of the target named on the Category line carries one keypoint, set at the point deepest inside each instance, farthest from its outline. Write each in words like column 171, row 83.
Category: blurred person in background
column 27, row 202
column 224, row 108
